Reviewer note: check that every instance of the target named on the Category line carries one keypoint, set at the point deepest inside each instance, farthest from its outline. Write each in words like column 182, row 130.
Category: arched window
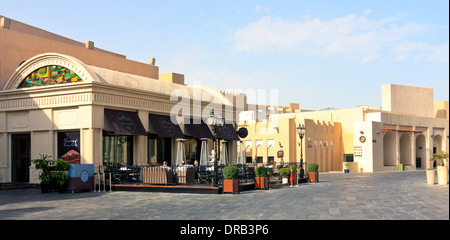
column 50, row 75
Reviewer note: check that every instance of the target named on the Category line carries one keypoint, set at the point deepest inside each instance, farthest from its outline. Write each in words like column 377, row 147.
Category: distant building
column 407, row 129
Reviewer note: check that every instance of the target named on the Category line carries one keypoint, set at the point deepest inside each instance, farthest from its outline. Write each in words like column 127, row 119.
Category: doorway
column 20, row 157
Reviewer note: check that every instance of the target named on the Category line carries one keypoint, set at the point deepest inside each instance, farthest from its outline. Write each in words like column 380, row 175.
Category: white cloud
column 260, row 9
column 350, row 37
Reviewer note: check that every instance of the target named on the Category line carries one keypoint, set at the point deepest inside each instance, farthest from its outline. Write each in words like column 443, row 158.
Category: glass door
column 20, row 157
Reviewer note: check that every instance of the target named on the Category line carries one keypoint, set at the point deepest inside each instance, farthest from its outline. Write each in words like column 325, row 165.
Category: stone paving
column 338, row 196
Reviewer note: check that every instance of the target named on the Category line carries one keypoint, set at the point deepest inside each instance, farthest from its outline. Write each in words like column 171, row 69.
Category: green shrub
column 46, row 165
column 261, row 172
column 285, row 172
column 230, row 172
column 294, row 168
column 313, row 167
column 61, row 167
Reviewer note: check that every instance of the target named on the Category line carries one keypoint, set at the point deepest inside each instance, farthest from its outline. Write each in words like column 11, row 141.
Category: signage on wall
column 362, row 139
column 280, row 154
column 357, row 151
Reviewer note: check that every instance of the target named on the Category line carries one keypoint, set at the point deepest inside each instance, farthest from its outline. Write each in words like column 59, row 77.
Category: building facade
column 407, row 129
column 60, row 97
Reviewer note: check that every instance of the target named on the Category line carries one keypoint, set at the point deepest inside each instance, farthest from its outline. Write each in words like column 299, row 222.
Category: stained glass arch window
column 50, row 75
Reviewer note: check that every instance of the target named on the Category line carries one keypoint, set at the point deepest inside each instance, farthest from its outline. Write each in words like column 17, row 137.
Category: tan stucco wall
column 322, row 143
column 441, row 109
column 408, row 100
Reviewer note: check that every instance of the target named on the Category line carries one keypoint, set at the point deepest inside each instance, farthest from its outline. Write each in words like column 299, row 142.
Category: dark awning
column 164, row 127
column 123, row 123
column 227, row 132
column 197, row 129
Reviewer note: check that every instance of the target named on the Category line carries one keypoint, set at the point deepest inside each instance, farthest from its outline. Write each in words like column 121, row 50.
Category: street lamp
column 215, row 122
column 301, row 130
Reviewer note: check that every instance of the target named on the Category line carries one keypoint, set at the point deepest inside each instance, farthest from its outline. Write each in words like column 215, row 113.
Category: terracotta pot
column 231, row 185
column 313, row 176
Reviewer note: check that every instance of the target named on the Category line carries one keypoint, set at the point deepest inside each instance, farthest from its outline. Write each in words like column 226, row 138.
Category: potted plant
column 441, row 165
column 285, row 173
column 313, row 172
column 231, row 181
column 261, row 179
column 61, row 168
column 430, row 176
column 46, row 165
column 346, row 167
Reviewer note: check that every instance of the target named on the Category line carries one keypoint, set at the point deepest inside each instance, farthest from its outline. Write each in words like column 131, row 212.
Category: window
column 50, row 75
column 271, row 160
column 159, row 150
column 69, row 146
column 348, row 157
column 259, row 159
column 117, row 149
column 248, row 160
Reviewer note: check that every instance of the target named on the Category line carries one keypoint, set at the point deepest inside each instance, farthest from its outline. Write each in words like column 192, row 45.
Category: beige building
column 407, row 129
column 58, row 95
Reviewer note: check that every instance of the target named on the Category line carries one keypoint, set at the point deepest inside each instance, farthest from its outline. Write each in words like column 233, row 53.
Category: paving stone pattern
column 354, row 196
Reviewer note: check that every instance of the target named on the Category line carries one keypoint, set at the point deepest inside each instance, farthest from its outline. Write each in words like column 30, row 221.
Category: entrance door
column 20, row 157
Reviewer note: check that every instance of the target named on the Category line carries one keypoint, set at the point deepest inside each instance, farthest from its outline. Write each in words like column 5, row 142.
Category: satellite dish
column 242, row 132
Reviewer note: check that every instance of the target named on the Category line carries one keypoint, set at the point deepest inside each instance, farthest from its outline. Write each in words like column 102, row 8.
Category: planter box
column 313, row 176
column 261, row 183
column 81, row 177
column 442, row 173
column 430, row 177
column 231, row 185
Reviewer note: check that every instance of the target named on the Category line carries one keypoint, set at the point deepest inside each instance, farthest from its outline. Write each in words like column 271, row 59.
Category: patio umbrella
column 204, row 152
column 241, row 152
column 181, row 155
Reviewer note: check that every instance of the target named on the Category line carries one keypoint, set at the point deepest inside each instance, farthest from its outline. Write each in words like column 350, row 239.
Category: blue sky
column 316, row 53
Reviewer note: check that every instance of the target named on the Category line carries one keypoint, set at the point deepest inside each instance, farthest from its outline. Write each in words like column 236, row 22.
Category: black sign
column 242, row 132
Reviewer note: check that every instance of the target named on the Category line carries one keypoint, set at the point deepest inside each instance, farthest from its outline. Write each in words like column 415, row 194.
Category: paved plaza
column 338, row 196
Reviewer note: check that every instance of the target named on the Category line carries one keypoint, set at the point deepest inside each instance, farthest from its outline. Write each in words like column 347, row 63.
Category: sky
column 315, row 53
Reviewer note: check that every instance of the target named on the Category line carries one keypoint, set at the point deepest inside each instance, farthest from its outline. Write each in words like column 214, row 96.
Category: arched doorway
column 421, row 151
column 405, row 149
column 389, row 149
column 437, row 144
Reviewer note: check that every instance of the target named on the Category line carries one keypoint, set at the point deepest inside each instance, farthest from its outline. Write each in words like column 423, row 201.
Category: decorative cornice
column 93, row 93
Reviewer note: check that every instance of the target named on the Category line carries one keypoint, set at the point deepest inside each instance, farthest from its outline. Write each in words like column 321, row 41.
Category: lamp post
column 301, row 130
column 215, row 122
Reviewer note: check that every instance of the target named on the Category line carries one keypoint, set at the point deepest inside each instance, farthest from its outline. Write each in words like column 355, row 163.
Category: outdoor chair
column 186, row 175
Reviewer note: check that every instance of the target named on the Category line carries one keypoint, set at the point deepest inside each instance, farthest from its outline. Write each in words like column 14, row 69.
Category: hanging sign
column 280, row 154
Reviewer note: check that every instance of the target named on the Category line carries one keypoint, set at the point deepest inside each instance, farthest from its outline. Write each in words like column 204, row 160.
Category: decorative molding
column 41, row 102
